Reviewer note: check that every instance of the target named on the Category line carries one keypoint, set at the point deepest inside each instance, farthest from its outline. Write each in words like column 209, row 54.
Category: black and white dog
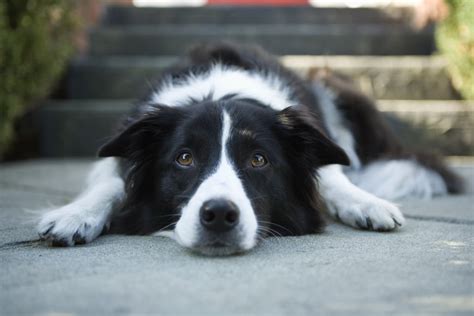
column 230, row 147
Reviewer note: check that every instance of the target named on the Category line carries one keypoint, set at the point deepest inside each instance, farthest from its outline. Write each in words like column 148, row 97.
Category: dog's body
column 230, row 147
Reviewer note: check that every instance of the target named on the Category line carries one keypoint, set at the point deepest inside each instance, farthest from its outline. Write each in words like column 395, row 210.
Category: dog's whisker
column 277, row 225
column 270, row 231
column 273, row 233
column 166, row 227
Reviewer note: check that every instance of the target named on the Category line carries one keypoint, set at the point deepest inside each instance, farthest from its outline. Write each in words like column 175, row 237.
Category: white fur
column 223, row 183
column 222, row 80
column 86, row 216
column 354, row 206
column 396, row 179
column 334, row 122
column 90, row 212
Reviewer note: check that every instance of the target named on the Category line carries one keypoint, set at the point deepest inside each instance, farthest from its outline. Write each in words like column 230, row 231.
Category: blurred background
column 69, row 69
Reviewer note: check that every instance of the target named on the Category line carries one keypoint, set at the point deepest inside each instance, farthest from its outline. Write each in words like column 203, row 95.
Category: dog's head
column 224, row 174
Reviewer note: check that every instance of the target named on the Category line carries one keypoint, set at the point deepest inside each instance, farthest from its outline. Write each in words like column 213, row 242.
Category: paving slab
column 426, row 268
column 60, row 176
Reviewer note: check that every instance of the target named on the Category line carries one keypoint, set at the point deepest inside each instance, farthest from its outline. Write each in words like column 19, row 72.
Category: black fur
column 284, row 195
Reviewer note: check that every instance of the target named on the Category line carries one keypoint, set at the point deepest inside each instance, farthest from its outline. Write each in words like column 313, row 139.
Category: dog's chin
column 217, row 251
column 216, row 245
column 217, row 248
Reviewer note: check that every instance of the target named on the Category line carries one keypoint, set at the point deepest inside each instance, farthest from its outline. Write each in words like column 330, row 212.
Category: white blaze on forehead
column 222, row 80
column 222, row 183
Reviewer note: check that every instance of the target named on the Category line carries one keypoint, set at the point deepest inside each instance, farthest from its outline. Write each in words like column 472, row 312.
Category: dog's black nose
column 219, row 215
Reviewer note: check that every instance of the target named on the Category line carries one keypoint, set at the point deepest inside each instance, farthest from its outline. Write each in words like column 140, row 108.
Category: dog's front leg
column 84, row 219
column 354, row 206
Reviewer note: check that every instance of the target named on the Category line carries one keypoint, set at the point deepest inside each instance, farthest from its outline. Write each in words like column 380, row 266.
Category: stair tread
column 411, row 77
column 277, row 39
column 335, row 61
column 256, row 14
column 301, row 29
column 385, row 105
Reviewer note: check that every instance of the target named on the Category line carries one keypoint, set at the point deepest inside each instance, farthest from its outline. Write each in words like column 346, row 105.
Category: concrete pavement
column 426, row 268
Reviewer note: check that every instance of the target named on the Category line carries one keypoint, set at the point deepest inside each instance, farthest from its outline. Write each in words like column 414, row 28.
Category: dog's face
column 224, row 174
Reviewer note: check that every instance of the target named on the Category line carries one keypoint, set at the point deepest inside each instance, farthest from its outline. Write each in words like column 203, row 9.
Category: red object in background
column 259, row 2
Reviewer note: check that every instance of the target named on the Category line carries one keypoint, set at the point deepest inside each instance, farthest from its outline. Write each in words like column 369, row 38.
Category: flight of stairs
column 387, row 59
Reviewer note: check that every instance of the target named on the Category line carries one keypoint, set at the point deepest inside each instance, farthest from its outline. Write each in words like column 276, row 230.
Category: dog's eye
column 258, row 161
column 185, row 159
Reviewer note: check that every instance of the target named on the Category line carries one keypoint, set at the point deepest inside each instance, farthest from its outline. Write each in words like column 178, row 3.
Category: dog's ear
column 306, row 139
column 142, row 134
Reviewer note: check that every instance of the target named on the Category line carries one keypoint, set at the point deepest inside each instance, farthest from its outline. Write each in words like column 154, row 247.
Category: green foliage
column 35, row 43
column 455, row 38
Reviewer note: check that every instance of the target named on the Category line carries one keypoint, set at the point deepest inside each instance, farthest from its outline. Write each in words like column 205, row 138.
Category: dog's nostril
column 231, row 216
column 208, row 215
column 219, row 215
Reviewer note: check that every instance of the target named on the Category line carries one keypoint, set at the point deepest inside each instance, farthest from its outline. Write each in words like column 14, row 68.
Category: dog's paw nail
column 360, row 225
column 78, row 238
column 59, row 242
column 368, row 221
column 44, row 234
column 397, row 222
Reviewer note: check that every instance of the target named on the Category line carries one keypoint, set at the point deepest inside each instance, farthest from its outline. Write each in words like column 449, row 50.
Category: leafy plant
column 455, row 39
column 35, row 44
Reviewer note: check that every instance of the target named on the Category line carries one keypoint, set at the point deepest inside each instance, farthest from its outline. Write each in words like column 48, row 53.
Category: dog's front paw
column 70, row 225
column 372, row 214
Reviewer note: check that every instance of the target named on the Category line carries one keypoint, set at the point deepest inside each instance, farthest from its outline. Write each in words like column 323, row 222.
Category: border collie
column 230, row 147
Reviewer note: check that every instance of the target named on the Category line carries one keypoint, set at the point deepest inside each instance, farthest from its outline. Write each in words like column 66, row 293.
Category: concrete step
column 301, row 39
column 124, row 15
column 409, row 77
column 79, row 127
